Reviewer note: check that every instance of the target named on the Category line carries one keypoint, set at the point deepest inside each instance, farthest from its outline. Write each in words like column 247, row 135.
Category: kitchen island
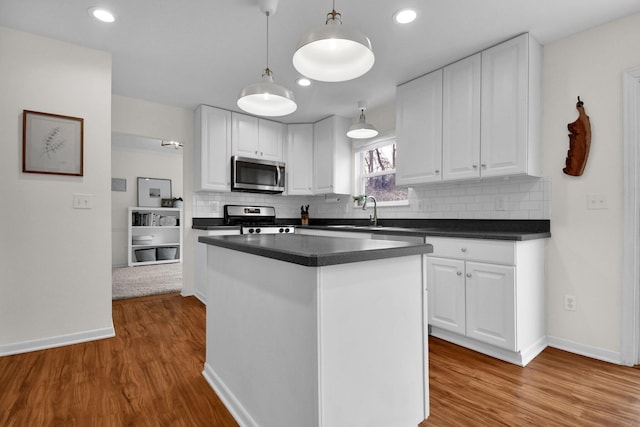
column 317, row 331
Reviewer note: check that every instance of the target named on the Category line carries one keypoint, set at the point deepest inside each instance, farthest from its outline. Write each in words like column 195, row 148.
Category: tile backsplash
column 506, row 198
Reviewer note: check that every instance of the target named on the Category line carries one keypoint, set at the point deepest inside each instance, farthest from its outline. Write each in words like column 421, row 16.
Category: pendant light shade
column 265, row 98
column 333, row 52
column 362, row 129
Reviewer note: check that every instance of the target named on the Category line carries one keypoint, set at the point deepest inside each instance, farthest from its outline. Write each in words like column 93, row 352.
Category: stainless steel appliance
column 256, row 175
column 255, row 219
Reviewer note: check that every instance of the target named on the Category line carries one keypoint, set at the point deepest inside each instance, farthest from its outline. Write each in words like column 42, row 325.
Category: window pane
column 379, row 159
column 383, row 188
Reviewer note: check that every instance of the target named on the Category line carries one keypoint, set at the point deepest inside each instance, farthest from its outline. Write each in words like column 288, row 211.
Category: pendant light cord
column 267, row 71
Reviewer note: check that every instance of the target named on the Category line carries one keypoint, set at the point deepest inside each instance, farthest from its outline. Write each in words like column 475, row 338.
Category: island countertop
column 316, row 251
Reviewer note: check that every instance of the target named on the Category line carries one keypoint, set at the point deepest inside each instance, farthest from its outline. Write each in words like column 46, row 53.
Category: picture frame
column 52, row 144
column 151, row 191
column 166, row 203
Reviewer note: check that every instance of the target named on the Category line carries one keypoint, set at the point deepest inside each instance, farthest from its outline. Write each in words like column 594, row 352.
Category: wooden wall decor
column 579, row 142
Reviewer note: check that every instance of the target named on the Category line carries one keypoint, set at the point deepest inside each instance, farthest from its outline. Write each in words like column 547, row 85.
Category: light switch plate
column 82, row 201
column 597, row 201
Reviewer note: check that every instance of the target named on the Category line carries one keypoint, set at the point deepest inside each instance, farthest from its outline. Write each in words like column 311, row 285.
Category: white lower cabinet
column 488, row 296
column 200, row 260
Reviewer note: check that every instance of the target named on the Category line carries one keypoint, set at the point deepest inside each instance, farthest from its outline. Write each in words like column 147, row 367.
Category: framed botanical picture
column 151, row 191
column 52, row 144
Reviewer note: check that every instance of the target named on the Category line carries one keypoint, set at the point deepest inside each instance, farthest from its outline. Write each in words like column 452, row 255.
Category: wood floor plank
column 556, row 389
column 150, row 374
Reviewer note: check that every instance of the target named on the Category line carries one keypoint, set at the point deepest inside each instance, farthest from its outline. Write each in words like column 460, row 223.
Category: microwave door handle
column 278, row 182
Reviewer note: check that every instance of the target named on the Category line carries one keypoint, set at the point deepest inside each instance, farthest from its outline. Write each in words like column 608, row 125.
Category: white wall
column 131, row 163
column 584, row 254
column 55, row 263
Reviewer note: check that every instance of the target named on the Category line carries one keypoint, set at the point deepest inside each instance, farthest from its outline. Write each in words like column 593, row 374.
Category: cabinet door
column 446, row 294
column 419, row 130
column 299, row 160
column 244, row 136
column 461, row 119
column 332, row 156
column 270, row 140
column 491, row 300
column 505, row 108
column 212, row 149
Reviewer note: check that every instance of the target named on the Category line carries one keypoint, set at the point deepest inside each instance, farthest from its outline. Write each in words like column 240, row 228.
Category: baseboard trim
column 57, row 341
column 517, row 358
column 586, row 350
column 202, row 297
column 234, row 406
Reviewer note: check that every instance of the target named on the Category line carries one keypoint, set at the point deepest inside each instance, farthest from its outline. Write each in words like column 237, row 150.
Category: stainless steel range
column 255, row 219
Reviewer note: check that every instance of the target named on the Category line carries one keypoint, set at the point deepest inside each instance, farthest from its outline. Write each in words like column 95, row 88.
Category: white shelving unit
column 159, row 224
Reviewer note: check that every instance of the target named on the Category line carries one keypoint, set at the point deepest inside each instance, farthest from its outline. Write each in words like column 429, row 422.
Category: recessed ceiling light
column 405, row 16
column 303, row 81
column 102, row 14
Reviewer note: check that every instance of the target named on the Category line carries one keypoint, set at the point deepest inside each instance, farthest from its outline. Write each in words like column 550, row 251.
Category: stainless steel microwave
column 256, row 175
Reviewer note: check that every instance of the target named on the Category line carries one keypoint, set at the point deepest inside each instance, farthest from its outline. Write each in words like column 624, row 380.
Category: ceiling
column 186, row 53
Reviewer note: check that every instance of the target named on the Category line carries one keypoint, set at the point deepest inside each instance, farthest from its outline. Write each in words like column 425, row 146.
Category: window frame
column 360, row 146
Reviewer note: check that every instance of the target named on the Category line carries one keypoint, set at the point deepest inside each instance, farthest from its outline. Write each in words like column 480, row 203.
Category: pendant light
column 265, row 98
column 333, row 52
column 362, row 129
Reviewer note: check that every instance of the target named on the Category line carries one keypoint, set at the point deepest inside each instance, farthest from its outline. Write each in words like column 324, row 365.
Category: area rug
column 130, row 282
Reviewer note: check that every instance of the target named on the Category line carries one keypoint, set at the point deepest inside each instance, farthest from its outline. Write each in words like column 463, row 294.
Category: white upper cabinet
column 299, row 159
column 256, row 138
column 461, row 119
column 419, row 130
column 212, row 149
column 511, row 108
column 476, row 118
column 332, row 156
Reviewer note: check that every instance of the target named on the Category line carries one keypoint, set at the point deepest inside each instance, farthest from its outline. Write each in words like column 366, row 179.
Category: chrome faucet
column 373, row 220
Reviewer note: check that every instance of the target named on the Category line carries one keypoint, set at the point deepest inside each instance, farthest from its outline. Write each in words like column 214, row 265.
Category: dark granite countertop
column 517, row 230
column 316, row 251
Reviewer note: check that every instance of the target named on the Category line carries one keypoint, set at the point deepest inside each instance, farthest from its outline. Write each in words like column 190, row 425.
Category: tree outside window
column 376, row 173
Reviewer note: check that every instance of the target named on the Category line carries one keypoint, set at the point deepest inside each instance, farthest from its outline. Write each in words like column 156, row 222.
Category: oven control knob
column 286, row 230
column 257, row 230
column 281, row 230
column 251, row 230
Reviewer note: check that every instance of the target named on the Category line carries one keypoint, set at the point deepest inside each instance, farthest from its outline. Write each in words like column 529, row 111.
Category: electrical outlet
column 597, row 201
column 82, row 201
column 570, row 302
column 501, row 202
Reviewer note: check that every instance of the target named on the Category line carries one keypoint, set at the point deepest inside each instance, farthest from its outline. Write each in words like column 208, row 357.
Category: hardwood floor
column 556, row 389
column 150, row 375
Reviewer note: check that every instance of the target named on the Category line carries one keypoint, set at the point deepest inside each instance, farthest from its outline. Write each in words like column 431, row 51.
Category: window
column 375, row 170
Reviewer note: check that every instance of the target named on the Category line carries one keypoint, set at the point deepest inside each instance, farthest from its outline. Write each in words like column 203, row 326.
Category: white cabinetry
column 488, row 295
column 332, row 156
column 476, row 118
column 299, row 159
column 461, row 119
column 256, row 138
column 212, row 149
column 155, row 236
column 419, row 130
column 511, row 108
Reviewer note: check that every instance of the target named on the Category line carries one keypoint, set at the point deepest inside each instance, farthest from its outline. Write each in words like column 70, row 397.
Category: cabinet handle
column 463, row 249
column 484, row 165
column 255, row 152
column 468, row 274
column 474, row 166
column 261, row 154
column 437, row 171
column 459, row 273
